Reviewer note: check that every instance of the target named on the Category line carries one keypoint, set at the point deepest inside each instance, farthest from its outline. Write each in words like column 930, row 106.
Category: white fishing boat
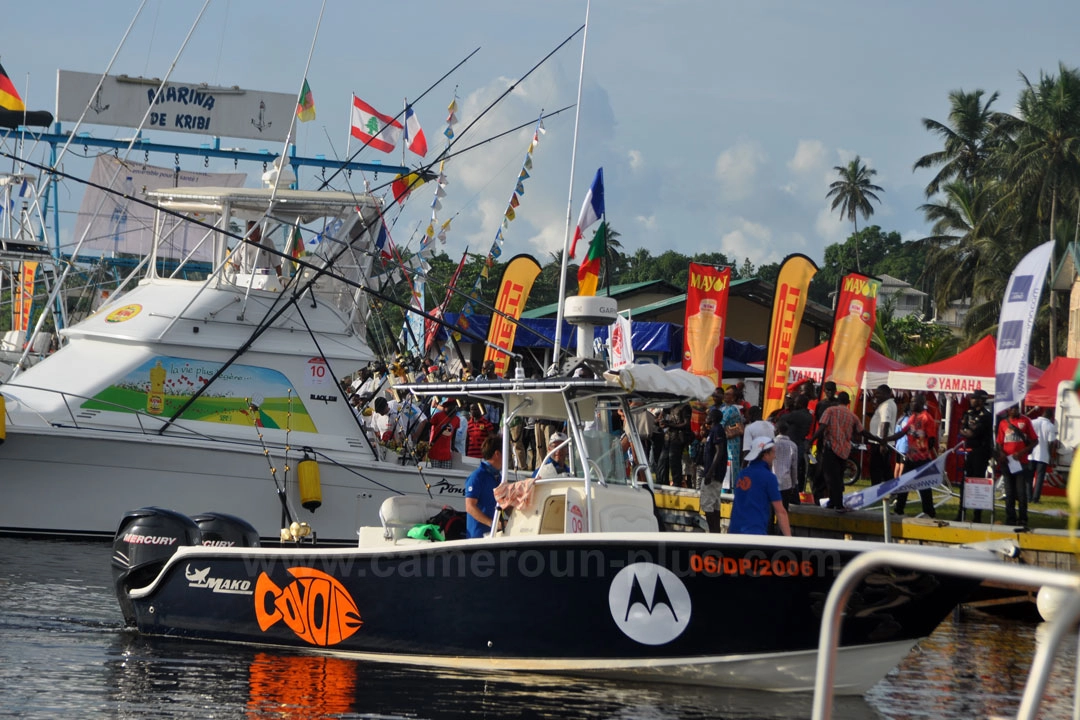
column 207, row 393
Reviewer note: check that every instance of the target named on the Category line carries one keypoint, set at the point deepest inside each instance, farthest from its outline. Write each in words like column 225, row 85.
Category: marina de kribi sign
column 199, row 108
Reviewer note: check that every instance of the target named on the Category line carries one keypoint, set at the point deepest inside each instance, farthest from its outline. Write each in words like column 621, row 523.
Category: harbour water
column 66, row 654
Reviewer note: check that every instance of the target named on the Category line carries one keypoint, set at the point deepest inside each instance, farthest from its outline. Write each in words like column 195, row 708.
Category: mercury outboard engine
column 223, row 530
column 144, row 542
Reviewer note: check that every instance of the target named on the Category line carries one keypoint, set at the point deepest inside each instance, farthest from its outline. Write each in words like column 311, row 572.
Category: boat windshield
column 605, row 446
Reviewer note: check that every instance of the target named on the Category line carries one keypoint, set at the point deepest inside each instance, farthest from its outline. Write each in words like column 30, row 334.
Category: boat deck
column 1040, row 547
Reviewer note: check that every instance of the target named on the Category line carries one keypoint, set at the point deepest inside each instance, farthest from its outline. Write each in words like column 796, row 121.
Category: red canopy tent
column 973, row 369
column 809, row 364
column 1044, row 392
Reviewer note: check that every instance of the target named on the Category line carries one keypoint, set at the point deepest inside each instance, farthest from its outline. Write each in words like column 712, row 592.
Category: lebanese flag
column 414, row 134
column 591, row 211
column 372, row 127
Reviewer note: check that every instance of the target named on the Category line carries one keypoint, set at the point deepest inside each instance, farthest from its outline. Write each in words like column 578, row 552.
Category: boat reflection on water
column 307, row 686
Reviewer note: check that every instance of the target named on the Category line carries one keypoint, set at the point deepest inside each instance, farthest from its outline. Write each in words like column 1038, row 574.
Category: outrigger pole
column 569, row 204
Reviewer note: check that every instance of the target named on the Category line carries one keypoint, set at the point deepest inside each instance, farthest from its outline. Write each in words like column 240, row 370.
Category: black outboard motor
column 144, row 542
column 223, row 530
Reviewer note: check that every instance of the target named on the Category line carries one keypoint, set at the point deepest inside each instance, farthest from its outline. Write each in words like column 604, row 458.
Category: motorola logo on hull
column 649, row 603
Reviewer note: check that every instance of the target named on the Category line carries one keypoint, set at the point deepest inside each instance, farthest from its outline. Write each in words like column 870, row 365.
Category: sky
column 718, row 124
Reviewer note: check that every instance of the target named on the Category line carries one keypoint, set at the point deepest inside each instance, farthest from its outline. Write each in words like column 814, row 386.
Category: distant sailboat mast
column 569, row 207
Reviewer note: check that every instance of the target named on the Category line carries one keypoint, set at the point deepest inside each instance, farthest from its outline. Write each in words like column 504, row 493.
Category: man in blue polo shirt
column 480, row 489
column 757, row 493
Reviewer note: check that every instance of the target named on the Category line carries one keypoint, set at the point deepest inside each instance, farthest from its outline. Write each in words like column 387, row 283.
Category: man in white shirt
column 786, row 465
column 1044, row 453
column 881, row 425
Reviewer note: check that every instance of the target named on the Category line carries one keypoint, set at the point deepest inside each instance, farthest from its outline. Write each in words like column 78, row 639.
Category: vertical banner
column 856, row 313
column 1014, row 326
column 706, row 308
column 622, row 349
column 517, row 281
column 788, row 304
column 414, row 335
column 24, row 297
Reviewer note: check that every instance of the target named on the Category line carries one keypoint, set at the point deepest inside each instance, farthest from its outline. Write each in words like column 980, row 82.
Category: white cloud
column 636, row 160
column 737, row 167
column 748, row 240
column 647, row 223
column 809, row 157
column 830, row 227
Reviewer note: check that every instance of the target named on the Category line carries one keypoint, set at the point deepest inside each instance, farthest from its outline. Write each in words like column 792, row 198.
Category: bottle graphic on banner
column 120, row 214
column 704, row 330
column 848, row 348
column 155, row 399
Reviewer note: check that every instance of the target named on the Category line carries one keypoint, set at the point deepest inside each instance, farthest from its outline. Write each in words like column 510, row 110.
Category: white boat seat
column 400, row 513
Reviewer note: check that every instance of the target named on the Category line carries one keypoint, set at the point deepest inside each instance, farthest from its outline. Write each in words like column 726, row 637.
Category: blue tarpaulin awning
column 646, row 337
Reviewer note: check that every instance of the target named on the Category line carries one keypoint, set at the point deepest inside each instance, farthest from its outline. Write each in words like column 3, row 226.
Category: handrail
column 861, row 565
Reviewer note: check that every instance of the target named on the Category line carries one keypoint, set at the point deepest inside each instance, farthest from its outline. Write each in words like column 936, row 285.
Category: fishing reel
column 295, row 532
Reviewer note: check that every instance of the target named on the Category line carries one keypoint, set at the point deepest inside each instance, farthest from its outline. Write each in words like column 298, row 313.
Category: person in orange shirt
column 1015, row 439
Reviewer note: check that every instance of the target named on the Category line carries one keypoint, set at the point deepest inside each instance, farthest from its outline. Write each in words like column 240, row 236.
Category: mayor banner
column 619, row 341
column 706, row 309
column 517, row 281
column 856, row 312
column 921, row 478
column 1018, row 310
column 788, row 305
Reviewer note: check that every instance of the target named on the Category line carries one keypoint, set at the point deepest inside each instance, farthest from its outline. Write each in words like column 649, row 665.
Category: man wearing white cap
column 757, row 494
column 555, row 464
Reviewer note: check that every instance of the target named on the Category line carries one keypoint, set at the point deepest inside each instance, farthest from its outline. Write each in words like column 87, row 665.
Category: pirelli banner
column 792, row 284
column 856, row 313
column 517, row 281
column 198, row 108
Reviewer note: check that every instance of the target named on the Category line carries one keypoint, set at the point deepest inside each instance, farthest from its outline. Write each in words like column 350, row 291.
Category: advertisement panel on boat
column 706, row 310
column 856, row 313
column 517, row 281
column 243, row 395
column 181, row 107
column 792, row 285
column 111, row 224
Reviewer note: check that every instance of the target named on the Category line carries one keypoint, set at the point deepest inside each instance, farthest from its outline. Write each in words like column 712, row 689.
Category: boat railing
column 853, row 573
column 71, row 405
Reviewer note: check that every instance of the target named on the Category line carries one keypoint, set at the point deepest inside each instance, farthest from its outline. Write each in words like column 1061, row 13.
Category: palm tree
column 968, row 255
column 614, row 261
column 969, row 139
column 852, row 193
column 1042, row 163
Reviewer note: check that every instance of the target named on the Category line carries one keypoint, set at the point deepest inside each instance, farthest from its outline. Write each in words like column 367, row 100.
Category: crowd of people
column 764, row 464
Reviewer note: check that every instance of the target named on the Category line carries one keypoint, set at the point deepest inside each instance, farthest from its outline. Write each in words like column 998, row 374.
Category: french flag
column 414, row 134
column 592, row 210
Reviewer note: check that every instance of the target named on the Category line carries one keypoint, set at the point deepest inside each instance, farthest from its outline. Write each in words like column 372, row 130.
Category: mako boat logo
column 649, row 603
column 202, row 579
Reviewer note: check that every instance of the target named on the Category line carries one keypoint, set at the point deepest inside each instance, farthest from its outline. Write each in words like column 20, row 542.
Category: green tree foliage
column 882, row 253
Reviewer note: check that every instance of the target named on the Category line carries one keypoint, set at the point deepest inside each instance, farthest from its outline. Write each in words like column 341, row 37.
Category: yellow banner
column 24, row 298
column 788, row 304
column 517, row 281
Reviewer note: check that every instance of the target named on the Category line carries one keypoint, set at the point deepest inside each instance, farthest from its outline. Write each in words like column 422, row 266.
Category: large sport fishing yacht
column 198, row 393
